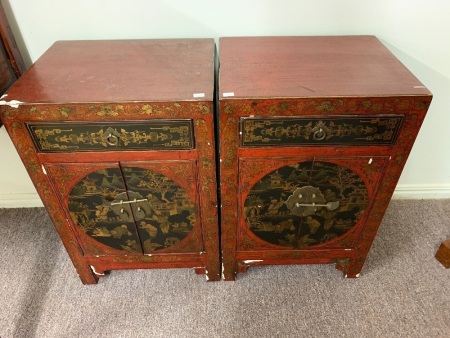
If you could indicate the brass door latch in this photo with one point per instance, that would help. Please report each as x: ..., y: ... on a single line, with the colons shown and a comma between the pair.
x: 306, y: 200
x: 128, y: 204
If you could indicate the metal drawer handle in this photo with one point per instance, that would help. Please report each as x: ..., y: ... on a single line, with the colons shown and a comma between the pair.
x: 319, y: 135
x: 112, y: 140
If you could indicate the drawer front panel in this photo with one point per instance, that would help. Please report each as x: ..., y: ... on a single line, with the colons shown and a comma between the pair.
x: 148, y: 135
x: 314, y: 131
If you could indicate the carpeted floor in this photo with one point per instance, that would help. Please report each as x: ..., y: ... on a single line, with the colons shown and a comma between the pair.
x: 402, y: 292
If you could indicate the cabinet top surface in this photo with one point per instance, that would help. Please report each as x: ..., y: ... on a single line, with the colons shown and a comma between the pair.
x: 257, y: 67
x: 120, y: 71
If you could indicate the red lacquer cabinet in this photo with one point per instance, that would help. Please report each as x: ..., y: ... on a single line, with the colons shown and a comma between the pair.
x: 314, y: 134
x: 117, y: 137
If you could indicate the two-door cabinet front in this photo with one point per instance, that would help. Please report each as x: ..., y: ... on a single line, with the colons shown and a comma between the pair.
x: 314, y: 133
x: 117, y: 137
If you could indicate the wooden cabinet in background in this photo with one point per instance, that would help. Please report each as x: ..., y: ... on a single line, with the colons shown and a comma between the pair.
x: 12, y: 65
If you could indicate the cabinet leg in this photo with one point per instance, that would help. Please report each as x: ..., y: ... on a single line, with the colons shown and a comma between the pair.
x: 352, y: 268
x: 87, y: 275
x: 212, y: 271
x: 229, y: 277
x: 229, y: 272
x: 342, y: 264
x: 200, y: 271
x: 443, y: 254
x: 212, y: 276
x: 242, y: 267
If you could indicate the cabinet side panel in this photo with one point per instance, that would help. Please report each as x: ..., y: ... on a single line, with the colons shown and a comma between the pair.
x: 26, y: 150
x: 207, y: 188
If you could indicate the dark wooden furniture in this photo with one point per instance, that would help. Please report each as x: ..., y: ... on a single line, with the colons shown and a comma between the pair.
x: 314, y: 133
x: 443, y: 253
x: 117, y: 137
x: 12, y: 65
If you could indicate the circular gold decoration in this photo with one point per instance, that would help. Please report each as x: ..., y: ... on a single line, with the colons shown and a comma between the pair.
x: 136, y: 209
x: 305, y: 204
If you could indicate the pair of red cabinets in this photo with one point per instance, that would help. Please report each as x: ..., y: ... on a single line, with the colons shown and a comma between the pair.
x: 143, y: 160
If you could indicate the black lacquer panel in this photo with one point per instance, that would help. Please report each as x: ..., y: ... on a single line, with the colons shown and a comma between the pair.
x: 90, y: 206
x: 145, y: 213
x: 148, y: 135
x: 284, y: 132
x: 171, y: 215
x: 305, y: 204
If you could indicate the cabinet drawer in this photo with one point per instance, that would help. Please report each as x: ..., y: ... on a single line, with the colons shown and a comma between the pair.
x: 314, y: 131
x: 104, y: 136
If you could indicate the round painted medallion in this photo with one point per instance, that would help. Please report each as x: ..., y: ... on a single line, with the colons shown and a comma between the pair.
x: 305, y: 204
x: 135, y: 210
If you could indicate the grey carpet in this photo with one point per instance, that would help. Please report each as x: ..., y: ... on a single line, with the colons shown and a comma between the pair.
x: 402, y: 292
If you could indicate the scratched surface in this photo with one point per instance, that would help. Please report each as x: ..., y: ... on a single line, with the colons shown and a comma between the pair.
x: 294, y: 67
x: 144, y: 70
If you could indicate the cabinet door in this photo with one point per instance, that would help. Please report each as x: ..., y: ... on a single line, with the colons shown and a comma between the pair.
x: 302, y: 203
x: 131, y: 207
x: 171, y: 221
x: 89, y: 193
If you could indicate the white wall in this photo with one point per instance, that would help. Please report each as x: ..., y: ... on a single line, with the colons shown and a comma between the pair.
x: 417, y: 32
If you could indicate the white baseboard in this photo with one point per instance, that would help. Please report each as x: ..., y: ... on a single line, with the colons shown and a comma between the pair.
x: 20, y: 201
x: 422, y: 191
x: 407, y: 191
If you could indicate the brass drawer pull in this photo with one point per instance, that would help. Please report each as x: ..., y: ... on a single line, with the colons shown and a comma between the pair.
x: 319, y: 135
x: 112, y: 140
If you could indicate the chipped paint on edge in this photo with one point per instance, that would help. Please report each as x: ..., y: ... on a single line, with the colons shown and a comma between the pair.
x: 249, y: 261
x: 97, y: 273
x: 12, y: 103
